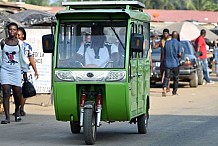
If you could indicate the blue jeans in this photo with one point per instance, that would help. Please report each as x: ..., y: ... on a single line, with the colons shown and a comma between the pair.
x: 204, y: 64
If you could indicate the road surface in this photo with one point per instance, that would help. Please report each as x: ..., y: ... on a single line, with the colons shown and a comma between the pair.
x: 187, y: 119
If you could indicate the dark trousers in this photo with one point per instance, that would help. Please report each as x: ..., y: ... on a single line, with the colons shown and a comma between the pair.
x: 175, y: 72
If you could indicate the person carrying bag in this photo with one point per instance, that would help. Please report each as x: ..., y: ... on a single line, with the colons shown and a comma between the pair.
x: 28, y: 89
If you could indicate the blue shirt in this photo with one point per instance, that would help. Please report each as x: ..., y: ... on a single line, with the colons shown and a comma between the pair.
x: 172, y: 49
x: 28, y: 51
x: 216, y: 55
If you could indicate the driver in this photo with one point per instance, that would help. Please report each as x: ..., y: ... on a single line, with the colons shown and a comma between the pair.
x: 98, y: 53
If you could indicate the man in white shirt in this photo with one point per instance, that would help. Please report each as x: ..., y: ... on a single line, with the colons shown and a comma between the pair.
x: 98, y: 53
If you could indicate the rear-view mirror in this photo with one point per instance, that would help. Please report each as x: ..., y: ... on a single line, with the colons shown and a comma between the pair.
x: 48, y: 43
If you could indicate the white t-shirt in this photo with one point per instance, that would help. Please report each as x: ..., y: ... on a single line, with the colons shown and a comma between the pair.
x: 104, y: 56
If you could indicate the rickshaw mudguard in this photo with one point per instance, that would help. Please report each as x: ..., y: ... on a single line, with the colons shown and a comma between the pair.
x: 89, y: 105
x: 116, y: 102
x: 66, y: 101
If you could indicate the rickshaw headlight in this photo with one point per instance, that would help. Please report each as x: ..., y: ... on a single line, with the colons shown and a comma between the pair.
x: 115, y: 76
x: 64, y: 76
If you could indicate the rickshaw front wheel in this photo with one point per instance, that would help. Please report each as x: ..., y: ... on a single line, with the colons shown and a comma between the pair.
x: 75, y: 127
x: 89, y: 126
x: 142, y: 123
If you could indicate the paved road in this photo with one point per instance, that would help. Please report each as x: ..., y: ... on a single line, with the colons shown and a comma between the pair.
x: 189, y: 119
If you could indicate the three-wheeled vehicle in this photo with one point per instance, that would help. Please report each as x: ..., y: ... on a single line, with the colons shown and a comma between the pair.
x: 101, y: 65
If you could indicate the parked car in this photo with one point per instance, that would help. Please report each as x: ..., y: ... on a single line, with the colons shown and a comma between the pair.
x: 155, y: 71
x: 190, y: 69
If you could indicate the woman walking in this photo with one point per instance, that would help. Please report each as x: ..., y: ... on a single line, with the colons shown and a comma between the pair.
x: 13, y: 61
x: 21, y: 34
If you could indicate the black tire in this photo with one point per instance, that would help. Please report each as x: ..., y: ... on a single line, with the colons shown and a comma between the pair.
x: 200, y: 77
x: 75, y: 127
x: 142, y: 123
x: 89, y: 126
x: 194, y: 82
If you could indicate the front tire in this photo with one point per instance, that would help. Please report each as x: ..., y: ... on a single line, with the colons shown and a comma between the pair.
x: 89, y: 126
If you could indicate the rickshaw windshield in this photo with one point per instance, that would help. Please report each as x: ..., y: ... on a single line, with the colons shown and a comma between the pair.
x: 96, y: 44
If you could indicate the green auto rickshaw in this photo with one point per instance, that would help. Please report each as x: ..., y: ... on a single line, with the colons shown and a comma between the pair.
x: 101, y: 65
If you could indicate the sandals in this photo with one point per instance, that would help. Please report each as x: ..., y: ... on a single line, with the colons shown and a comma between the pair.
x: 5, y: 121
x: 22, y: 113
x: 17, y: 118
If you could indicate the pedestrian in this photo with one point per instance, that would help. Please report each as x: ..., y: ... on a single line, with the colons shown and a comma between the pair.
x: 166, y: 37
x: 28, y: 51
x: 201, y: 49
x: 172, y: 53
x: 216, y: 59
x: 13, y: 61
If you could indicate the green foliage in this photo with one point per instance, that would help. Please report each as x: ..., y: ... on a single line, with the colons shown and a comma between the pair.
x: 204, y: 5
x: 33, y: 2
x: 38, y: 2
x: 58, y: 2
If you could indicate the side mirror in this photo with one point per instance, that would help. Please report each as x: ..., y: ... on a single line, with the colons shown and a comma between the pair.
x: 137, y: 41
x: 48, y: 43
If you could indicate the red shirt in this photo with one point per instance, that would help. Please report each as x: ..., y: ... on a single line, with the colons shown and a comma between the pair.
x: 200, y: 41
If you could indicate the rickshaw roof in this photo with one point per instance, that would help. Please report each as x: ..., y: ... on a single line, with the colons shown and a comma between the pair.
x: 132, y: 14
x: 103, y: 4
x: 133, y: 9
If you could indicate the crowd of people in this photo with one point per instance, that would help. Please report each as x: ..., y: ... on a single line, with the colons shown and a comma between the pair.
x: 14, y: 67
x: 171, y: 52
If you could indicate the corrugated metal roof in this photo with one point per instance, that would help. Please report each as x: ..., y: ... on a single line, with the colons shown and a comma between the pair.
x: 21, y: 6
x: 183, y: 15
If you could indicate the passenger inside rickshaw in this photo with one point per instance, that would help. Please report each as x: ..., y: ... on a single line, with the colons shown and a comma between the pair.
x: 99, y: 53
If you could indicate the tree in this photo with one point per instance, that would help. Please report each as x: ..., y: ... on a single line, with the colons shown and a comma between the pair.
x: 33, y: 2
x: 212, y: 7
x: 38, y: 2
x: 189, y: 5
x: 209, y: 5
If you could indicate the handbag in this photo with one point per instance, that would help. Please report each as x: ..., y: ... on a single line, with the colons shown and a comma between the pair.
x: 28, y: 89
